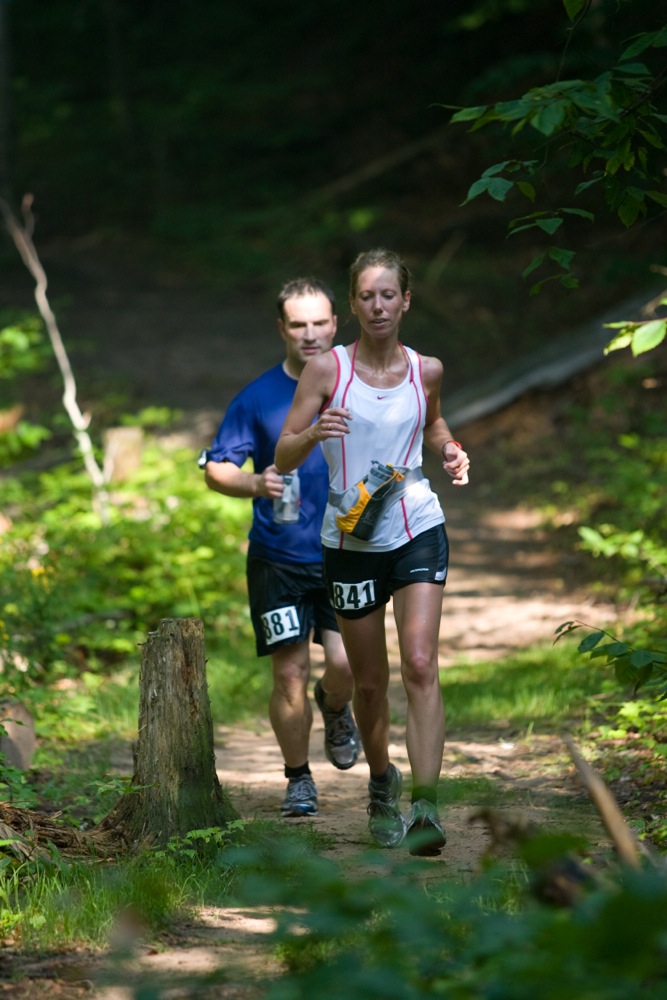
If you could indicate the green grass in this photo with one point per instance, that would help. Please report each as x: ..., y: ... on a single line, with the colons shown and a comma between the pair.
x: 62, y: 904
x: 70, y: 905
x: 541, y: 687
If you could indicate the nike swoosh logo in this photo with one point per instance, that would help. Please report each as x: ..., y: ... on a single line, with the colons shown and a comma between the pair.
x: 382, y: 397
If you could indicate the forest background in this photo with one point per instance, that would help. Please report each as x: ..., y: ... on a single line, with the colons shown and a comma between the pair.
x: 231, y: 146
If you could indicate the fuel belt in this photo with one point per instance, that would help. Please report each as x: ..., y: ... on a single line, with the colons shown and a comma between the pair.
x: 361, y: 506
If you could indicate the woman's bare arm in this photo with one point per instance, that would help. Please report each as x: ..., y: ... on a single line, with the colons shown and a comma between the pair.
x: 300, y: 434
x: 437, y: 435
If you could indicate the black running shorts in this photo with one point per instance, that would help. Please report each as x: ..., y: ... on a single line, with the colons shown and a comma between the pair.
x: 360, y: 582
x: 287, y: 603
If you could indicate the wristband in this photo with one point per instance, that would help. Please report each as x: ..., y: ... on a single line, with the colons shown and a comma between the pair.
x: 451, y: 441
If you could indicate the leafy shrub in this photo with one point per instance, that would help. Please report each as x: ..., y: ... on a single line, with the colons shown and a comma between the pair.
x: 78, y: 594
x: 389, y: 935
x: 634, y: 666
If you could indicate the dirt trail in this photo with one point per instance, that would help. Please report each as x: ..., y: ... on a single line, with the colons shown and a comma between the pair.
x: 504, y: 593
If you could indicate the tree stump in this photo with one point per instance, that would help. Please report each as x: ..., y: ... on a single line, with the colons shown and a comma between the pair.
x: 175, y: 788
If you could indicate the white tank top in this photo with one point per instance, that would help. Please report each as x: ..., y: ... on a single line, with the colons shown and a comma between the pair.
x: 387, y: 425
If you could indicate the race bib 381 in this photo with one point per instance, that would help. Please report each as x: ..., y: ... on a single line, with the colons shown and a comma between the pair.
x: 282, y: 623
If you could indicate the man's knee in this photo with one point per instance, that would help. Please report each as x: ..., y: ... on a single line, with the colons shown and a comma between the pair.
x: 291, y: 664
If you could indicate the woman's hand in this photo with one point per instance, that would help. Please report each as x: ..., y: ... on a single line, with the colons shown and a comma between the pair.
x: 333, y: 423
x: 456, y: 462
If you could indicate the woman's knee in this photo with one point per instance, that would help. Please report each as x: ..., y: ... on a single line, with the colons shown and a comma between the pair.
x: 420, y: 669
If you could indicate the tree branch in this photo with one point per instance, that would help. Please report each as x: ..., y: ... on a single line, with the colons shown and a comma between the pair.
x: 22, y: 238
x: 604, y: 802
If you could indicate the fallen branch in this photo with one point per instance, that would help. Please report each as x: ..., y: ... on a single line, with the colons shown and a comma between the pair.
x: 22, y: 237
x: 30, y: 836
x: 611, y: 816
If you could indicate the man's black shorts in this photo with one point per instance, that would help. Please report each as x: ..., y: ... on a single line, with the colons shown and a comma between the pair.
x: 287, y: 603
x: 360, y: 582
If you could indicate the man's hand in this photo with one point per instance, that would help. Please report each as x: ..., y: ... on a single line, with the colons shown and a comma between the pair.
x: 270, y: 483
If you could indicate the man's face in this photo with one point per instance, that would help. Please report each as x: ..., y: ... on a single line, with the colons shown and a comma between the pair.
x: 308, y: 328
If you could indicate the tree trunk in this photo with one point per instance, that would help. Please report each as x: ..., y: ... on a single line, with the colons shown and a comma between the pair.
x: 175, y: 788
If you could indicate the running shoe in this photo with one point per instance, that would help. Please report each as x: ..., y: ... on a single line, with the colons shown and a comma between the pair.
x: 341, y: 738
x: 386, y: 823
x: 301, y: 798
x: 425, y: 835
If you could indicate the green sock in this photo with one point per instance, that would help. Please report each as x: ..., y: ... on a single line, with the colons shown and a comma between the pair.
x: 425, y: 792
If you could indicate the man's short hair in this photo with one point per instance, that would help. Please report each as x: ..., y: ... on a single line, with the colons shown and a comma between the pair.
x: 299, y: 287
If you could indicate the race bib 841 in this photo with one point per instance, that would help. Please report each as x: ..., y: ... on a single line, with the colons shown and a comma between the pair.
x: 353, y: 596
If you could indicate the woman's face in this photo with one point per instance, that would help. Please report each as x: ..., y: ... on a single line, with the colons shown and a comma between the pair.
x: 378, y: 302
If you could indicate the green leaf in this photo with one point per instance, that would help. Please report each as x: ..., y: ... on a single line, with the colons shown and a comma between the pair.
x: 652, y: 138
x: 596, y: 101
x: 646, y: 40
x: 590, y: 642
x: 566, y: 627
x: 549, y: 226
x: 586, y: 184
x: 642, y: 676
x: 549, y: 118
x: 499, y: 188
x: 633, y: 69
x: 497, y: 168
x: 562, y: 256
x: 616, y: 648
x: 647, y: 336
x: 534, y: 264
x: 618, y: 342
x: 624, y: 673
x: 629, y: 211
x: 643, y: 658
x: 578, y: 211
x: 658, y: 197
x: 527, y: 190
x: 479, y: 187
x: 469, y: 114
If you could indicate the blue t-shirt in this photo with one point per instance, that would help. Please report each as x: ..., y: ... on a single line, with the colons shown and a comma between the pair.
x: 251, y: 428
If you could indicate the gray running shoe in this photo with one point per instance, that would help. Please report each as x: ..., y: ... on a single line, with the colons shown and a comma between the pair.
x: 341, y: 739
x: 425, y: 835
x: 386, y: 823
x: 301, y: 798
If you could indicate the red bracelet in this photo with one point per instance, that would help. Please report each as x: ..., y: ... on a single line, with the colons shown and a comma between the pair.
x: 451, y: 441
